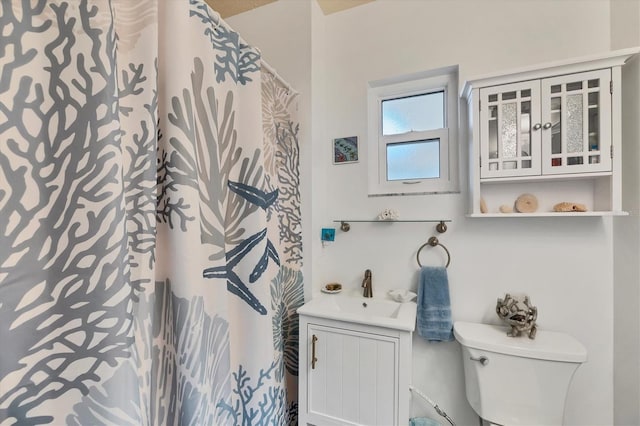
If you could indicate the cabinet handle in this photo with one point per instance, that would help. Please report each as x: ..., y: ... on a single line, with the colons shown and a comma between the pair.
x: 547, y: 126
x: 537, y: 126
x: 314, y: 339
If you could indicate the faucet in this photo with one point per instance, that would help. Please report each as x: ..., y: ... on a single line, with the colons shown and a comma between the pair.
x: 366, y: 284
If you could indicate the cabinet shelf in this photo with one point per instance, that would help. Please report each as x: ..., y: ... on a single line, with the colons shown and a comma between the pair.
x: 552, y: 214
x: 534, y: 178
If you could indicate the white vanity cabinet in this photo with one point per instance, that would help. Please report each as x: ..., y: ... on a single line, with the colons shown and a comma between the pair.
x: 353, y: 374
x: 553, y: 131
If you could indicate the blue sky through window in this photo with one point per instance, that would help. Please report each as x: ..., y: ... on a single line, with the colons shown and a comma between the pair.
x: 413, y: 160
x: 417, y: 113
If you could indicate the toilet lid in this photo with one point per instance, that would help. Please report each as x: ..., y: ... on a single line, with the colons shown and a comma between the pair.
x: 548, y: 345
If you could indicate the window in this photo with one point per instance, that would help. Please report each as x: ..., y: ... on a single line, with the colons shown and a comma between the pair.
x: 412, y: 140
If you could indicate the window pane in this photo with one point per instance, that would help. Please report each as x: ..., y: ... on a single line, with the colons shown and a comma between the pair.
x: 556, y: 128
x: 509, y: 130
x: 525, y: 128
x: 417, y: 113
x: 493, y: 131
x: 574, y: 86
x: 575, y: 139
x: 413, y: 160
x: 594, y: 123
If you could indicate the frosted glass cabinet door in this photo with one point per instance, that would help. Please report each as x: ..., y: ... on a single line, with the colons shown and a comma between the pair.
x: 509, y: 137
x: 576, y: 117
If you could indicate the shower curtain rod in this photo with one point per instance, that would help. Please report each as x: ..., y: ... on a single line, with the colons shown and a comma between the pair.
x: 273, y: 71
x: 263, y: 63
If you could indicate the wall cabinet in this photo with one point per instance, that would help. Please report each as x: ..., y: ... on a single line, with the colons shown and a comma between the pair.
x: 549, y: 126
x: 351, y: 374
x: 552, y: 131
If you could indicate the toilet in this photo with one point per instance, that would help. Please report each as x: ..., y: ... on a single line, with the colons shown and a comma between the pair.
x: 514, y: 381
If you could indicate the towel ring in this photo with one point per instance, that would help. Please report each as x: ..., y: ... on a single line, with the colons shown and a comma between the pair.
x: 433, y: 241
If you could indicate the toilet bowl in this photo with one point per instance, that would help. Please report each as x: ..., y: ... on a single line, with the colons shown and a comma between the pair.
x: 516, y: 380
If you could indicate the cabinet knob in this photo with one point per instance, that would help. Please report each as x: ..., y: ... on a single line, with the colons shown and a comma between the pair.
x: 537, y: 126
x: 547, y: 126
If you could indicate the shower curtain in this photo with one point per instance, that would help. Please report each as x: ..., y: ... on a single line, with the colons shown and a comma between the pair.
x: 150, y: 236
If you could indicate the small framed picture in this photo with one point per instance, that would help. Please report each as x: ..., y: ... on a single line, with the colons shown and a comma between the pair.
x: 345, y: 150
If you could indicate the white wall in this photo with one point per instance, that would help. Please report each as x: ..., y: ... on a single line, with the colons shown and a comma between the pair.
x: 565, y: 265
x: 625, y: 32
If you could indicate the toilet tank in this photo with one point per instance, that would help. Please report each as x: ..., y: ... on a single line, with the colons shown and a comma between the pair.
x: 517, y: 380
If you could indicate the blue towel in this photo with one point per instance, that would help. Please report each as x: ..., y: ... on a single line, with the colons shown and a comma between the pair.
x: 423, y: 421
x: 434, y: 306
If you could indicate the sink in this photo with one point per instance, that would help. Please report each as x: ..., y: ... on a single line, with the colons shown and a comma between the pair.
x: 357, y: 309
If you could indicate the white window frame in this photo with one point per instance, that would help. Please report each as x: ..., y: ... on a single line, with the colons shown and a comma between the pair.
x: 415, y: 84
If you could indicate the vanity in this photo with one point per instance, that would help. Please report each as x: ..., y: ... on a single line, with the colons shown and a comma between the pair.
x: 355, y: 360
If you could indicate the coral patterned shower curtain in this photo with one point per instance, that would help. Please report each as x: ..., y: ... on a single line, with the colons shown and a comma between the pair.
x: 150, y: 238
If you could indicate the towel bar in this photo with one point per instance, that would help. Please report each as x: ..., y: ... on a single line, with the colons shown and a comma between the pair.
x: 433, y: 241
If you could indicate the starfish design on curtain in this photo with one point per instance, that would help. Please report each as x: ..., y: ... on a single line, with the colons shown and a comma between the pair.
x: 233, y: 257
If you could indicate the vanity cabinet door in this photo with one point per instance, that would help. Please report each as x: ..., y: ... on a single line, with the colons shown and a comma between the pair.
x: 354, y: 378
x: 576, y: 112
x: 510, y: 130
